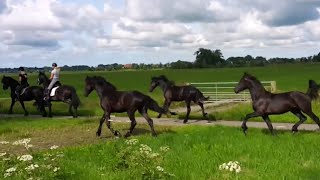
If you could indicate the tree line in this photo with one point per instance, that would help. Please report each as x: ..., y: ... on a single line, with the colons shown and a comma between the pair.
x: 204, y: 58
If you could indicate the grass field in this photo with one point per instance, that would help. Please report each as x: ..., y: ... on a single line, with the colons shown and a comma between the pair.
x: 195, y: 152
x: 288, y: 77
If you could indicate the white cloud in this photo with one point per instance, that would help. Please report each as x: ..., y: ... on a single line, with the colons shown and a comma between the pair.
x: 44, y: 30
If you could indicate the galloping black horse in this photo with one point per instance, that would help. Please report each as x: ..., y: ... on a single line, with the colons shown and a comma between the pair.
x: 112, y: 100
x: 64, y: 93
x: 178, y: 93
x: 265, y: 103
x: 30, y: 93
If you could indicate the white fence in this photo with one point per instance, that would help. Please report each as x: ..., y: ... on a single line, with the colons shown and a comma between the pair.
x: 224, y: 91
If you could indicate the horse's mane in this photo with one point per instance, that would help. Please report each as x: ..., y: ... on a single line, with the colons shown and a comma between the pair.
x: 252, y: 78
x: 103, y: 82
x: 163, y: 78
x: 10, y: 79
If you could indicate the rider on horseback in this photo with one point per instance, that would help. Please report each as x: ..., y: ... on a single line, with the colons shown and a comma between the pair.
x: 55, y: 78
x: 23, y: 79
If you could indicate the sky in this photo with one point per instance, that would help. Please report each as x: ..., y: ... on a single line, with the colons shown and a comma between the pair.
x: 36, y: 33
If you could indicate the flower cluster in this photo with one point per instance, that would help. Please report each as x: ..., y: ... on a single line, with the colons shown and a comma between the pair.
x: 4, y: 142
x: 231, y: 166
x: 141, y: 156
x: 31, y: 167
x: 28, y: 167
x: 26, y: 157
x: 54, y: 147
x: 10, y: 171
x: 24, y: 142
x: 132, y: 141
x: 164, y: 148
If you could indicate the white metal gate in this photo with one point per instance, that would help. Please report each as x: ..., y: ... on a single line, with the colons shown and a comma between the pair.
x: 224, y: 91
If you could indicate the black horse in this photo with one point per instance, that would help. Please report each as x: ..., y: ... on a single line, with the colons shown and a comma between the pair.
x: 265, y: 103
x: 178, y: 93
x: 64, y: 93
x: 29, y: 94
x: 112, y: 100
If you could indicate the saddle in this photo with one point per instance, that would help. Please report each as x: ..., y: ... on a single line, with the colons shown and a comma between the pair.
x: 23, y: 90
x: 52, y: 92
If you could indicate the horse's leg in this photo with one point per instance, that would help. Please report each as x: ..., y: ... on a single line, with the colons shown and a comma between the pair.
x: 70, y: 109
x: 188, y: 102
x: 75, y: 111
x: 11, y: 106
x: 133, y: 123
x: 49, y: 108
x: 204, y: 114
x: 98, y: 133
x: 166, y: 106
x: 268, y: 122
x: 302, y: 118
x: 114, y: 132
x: 313, y: 117
x: 24, y: 108
x: 144, y: 113
x: 245, y: 120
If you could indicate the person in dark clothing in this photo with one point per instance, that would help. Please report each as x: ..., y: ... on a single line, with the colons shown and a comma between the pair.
x: 23, y: 79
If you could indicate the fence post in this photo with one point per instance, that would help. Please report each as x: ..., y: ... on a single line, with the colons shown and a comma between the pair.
x: 273, y: 86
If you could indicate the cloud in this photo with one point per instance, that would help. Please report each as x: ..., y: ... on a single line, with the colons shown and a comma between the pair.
x: 136, y: 30
x: 3, y: 6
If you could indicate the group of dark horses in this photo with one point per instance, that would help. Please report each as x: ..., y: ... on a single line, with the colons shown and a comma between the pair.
x: 63, y: 93
x: 264, y: 103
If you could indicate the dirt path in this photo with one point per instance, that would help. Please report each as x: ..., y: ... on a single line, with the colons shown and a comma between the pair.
x: 176, y: 122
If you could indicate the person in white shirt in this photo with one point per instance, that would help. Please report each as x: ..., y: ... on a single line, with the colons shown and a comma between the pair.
x: 55, y: 77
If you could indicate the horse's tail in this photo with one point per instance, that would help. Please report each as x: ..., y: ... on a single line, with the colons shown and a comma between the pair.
x: 201, y: 98
x: 154, y: 106
x: 313, y: 89
x: 75, y: 101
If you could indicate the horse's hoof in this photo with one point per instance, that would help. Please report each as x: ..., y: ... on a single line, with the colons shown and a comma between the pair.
x: 205, y: 114
x: 26, y: 114
x: 154, y: 134
x: 98, y: 134
x: 185, y: 121
x: 10, y: 112
x: 128, y: 134
x: 117, y: 133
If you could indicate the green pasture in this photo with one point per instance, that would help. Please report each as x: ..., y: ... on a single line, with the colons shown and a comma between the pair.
x: 195, y: 151
x: 288, y: 78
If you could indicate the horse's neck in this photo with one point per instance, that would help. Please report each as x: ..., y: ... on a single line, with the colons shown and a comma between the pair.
x: 257, y: 91
x: 104, y: 91
x: 46, y: 82
x: 13, y: 85
x: 164, y: 86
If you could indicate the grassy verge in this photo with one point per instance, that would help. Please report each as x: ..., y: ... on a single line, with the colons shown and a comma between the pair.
x: 195, y: 151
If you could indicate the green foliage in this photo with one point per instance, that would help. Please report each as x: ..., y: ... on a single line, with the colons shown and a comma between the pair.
x: 133, y: 155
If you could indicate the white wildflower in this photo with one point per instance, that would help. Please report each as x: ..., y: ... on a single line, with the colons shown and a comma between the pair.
x: 164, y: 148
x: 54, y: 147
x: 22, y: 141
x: 132, y: 141
x: 26, y: 157
x: 4, y: 142
x: 159, y: 168
x: 55, y: 169
x: 145, y: 149
x: 11, y: 170
x: 6, y: 175
x: 3, y: 154
x: 231, y: 166
x: 31, y: 167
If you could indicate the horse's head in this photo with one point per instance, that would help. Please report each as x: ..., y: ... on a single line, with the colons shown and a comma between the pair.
x: 160, y: 80
x: 154, y: 83
x: 8, y: 82
x: 243, y: 84
x: 5, y: 83
x: 89, y: 86
x: 41, y: 78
